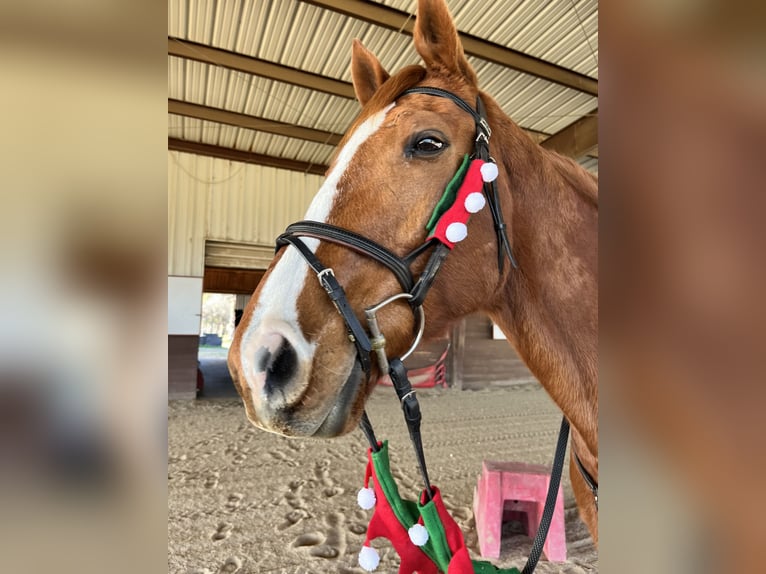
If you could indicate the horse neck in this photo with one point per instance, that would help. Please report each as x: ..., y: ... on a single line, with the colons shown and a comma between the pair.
x: 548, y: 306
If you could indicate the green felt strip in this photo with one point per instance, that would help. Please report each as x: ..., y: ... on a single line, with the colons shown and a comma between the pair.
x: 405, y: 514
x: 482, y: 567
x: 406, y: 511
x: 436, y: 535
x: 449, y: 196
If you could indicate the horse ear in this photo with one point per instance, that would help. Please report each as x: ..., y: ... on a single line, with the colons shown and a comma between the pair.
x: 366, y: 72
x: 437, y: 42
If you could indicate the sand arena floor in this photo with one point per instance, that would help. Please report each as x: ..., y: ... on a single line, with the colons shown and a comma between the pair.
x: 241, y: 500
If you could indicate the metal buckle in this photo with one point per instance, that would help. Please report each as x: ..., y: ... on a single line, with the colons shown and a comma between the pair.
x: 324, y: 272
x: 482, y: 136
x: 485, y: 126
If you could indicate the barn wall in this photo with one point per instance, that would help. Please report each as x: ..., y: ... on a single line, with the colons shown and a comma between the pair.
x: 257, y: 203
x: 187, y: 213
x: 215, y: 199
x: 487, y: 361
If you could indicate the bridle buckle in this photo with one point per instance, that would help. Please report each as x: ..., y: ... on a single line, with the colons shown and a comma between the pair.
x: 486, y: 130
x: 323, y: 272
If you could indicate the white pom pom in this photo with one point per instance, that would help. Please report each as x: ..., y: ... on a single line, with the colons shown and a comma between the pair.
x: 456, y: 232
x: 475, y: 202
x: 369, y: 558
x: 366, y: 498
x: 489, y: 171
x: 418, y: 534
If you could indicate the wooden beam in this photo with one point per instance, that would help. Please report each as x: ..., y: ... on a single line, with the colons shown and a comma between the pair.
x: 245, y: 156
x: 258, y: 67
x: 251, y: 122
x: 577, y: 139
x: 402, y: 21
x: 231, y: 280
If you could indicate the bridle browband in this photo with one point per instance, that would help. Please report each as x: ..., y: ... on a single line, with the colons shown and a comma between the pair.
x: 414, y: 291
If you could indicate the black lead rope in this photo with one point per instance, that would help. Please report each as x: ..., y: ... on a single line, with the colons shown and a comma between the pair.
x: 368, y: 431
x: 550, y: 499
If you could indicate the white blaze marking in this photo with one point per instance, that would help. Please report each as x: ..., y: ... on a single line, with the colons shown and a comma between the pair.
x: 322, y: 203
x: 277, y: 302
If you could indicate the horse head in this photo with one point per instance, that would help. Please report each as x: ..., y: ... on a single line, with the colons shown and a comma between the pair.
x: 292, y: 359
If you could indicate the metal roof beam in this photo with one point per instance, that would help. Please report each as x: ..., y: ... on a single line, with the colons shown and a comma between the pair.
x: 577, y: 139
x: 258, y: 67
x: 244, y: 156
x: 402, y: 22
x: 263, y: 68
x: 277, y: 72
x: 252, y: 122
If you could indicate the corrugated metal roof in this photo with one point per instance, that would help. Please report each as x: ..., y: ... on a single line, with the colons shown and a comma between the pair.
x: 563, y: 32
x: 317, y: 40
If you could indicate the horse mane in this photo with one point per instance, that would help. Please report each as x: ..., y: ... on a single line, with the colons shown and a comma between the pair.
x: 581, y: 180
x: 521, y: 152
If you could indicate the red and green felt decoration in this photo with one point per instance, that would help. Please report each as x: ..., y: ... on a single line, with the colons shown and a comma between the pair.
x: 462, y: 197
x: 424, y: 535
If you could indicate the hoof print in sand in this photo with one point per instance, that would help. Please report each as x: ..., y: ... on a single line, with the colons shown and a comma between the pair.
x: 335, y: 542
x: 308, y: 539
x: 292, y: 518
x: 331, y: 491
x: 234, y: 500
x: 222, y: 532
x: 232, y: 565
x: 212, y: 480
x: 322, y: 472
x: 330, y: 544
x: 282, y: 457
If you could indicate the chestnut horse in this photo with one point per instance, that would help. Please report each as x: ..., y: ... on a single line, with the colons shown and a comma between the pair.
x: 291, y: 358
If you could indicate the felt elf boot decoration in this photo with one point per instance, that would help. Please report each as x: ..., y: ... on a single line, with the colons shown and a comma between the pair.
x: 424, y: 535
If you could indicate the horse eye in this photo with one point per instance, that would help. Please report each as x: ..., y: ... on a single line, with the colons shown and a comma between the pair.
x: 429, y: 145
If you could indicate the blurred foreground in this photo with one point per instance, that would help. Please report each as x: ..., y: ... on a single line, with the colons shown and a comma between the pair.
x: 82, y: 299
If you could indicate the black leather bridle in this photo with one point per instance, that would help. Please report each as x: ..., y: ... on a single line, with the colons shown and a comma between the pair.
x: 400, y: 267
x: 414, y: 291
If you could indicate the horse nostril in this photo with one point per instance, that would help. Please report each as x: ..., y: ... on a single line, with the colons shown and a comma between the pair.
x: 278, y: 361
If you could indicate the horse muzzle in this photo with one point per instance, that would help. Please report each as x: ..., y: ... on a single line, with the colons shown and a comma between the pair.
x: 285, y: 393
